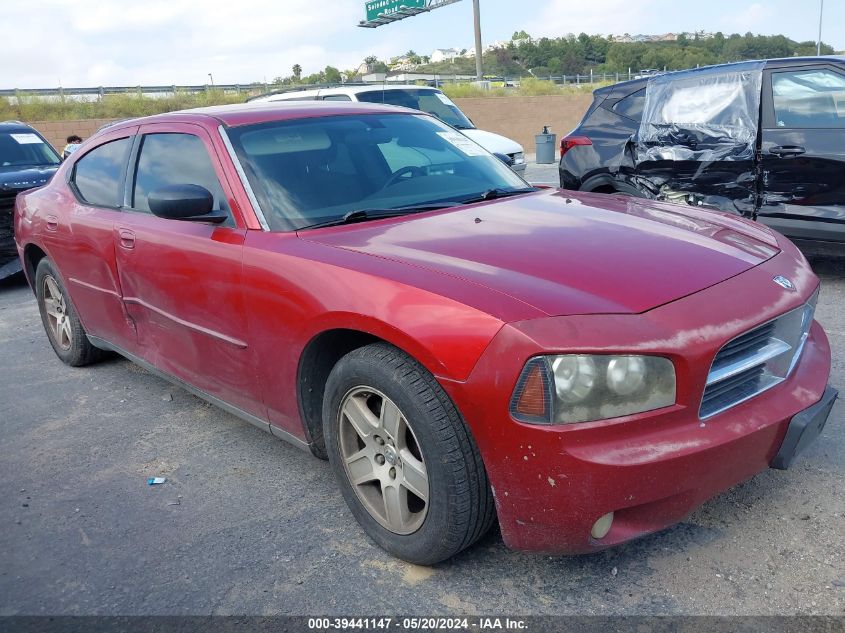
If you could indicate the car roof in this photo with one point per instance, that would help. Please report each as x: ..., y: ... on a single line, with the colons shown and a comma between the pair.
x: 15, y: 126
x: 624, y: 88
x: 263, y: 112
x: 346, y: 89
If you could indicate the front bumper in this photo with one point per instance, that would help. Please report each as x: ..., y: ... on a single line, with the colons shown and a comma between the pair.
x: 804, y: 429
x: 552, y: 483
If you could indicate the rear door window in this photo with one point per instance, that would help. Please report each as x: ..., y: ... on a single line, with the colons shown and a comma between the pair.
x: 631, y: 107
x: 807, y: 99
x: 174, y: 159
x: 337, y: 98
x: 98, y: 176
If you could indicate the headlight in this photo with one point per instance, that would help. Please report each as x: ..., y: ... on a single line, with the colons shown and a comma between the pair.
x: 518, y: 158
x: 586, y: 387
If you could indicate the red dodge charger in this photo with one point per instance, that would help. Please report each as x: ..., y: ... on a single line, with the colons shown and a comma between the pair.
x: 371, y: 285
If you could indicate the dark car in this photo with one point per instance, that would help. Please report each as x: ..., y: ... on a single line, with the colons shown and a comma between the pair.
x: 764, y: 139
x: 26, y: 161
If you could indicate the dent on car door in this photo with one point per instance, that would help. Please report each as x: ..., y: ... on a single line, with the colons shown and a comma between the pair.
x: 182, y: 280
x: 803, y: 153
x: 697, y: 141
x: 79, y: 238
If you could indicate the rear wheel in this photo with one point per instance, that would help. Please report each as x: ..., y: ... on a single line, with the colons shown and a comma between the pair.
x: 406, y: 464
x: 64, y: 330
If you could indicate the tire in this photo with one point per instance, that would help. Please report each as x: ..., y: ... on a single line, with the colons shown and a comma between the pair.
x: 60, y: 320
x: 618, y: 189
x: 424, y: 442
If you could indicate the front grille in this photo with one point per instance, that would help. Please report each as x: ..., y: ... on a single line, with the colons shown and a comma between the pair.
x: 8, y: 251
x: 757, y: 360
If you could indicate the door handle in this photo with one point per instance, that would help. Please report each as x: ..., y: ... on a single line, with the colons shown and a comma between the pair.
x: 127, y: 238
x: 52, y: 222
x: 786, y: 150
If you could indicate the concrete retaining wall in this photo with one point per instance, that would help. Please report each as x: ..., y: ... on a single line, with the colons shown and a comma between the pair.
x: 519, y: 118
x: 56, y: 132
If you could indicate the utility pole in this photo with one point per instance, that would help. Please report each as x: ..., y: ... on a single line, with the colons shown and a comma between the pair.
x: 476, y: 14
x: 821, y: 14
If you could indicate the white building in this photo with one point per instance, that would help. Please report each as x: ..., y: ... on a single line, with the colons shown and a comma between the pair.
x: 444, y: 55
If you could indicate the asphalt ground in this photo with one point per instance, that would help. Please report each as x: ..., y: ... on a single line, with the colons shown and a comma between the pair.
x: 246, y: 524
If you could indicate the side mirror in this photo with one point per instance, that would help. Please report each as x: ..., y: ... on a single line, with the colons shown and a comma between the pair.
x: 184, y: 202
x: 507, y: 160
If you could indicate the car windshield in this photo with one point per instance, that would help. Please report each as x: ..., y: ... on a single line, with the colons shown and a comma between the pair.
x: 423, y: 99
x: 25, y: 149
x: 313, y: 171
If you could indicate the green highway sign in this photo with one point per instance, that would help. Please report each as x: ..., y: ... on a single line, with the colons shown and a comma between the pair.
x: 378, y: 8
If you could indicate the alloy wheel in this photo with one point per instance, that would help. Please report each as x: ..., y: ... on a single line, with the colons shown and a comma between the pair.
x: 383, y: 460
x: 58, y: 318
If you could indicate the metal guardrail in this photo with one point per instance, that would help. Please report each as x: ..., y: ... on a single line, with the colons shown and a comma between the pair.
x: 261, y: 88
x: 115, y: 90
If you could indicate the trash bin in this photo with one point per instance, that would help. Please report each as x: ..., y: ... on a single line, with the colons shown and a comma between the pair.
x: 546, y: 146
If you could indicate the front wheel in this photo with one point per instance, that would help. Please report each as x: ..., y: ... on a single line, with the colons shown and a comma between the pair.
x: 64, y: 330
x: 407, y: 466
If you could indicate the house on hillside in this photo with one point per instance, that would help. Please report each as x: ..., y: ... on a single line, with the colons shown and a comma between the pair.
x: 403, y: 62
x: 444, y: 55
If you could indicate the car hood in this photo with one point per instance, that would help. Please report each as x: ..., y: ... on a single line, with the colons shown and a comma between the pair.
x: 567, y: 253
x: 493, y: 142
x: 14, y: 179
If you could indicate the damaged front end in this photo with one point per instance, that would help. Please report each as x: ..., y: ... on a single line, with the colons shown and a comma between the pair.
x: 9, y: 261
x: 11, y: 184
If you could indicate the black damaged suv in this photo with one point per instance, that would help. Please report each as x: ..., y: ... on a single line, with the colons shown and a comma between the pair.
x: 764, y: 139
x: 26, y: 161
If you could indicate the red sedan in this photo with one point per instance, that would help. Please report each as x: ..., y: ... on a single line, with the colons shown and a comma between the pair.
x: 374, y: 287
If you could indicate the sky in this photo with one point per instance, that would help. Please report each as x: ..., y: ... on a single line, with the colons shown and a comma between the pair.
x: 76, y: 43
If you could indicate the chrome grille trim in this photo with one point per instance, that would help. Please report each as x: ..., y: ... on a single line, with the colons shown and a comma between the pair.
x: 770, y: 348
x: 756, y: 360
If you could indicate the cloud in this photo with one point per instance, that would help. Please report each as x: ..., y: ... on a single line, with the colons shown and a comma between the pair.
x: 560, y: 17
x: 753, y: 18
x: 106, y: 42
x: 163, y: 42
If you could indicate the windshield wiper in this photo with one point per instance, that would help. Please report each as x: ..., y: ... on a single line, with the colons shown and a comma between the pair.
x: 362, y: 215
x: 493, y: 194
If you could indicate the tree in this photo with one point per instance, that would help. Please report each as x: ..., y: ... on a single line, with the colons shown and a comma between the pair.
x: 331, y: 75
x: 371, y: 60
x: 412, y: 57
x: 297, y: 71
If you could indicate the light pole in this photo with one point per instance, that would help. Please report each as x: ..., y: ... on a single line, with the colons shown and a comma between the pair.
x: 211, y: 79
x: 476, y: 14
x: 821, y: 14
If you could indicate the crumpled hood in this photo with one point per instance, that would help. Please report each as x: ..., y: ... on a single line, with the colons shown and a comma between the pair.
x: 569, y: 253
x: 13, y: 179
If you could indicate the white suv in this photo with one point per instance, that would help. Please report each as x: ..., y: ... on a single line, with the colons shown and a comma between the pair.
x: 430, y: 100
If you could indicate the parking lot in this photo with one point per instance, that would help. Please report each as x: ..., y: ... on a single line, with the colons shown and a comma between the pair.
x: 246, y: 524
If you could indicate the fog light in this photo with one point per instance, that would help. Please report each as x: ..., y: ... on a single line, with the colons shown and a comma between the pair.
x: 602, y: 526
